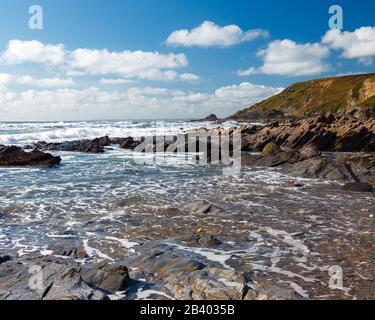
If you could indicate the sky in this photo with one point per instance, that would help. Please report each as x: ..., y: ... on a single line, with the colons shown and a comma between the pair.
x: 170, y: 59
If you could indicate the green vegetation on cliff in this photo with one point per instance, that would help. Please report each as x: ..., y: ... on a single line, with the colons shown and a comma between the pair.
x: 317, y: 96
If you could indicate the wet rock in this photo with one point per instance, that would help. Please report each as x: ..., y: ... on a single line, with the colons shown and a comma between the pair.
x: 109, y: 277
x: 201, y: 239
x: 362, y: 166
x: 320, y: 168
x: 15, y: 156
x: 310, y: 151
x: 202, y: 208
x: 155, y: 261
x: 358, y: 187
x: 90, y: 146
x: 278, y: 159
x: 103, y: 141
x: 4, y: 258
x: 208, y: 241
x: 128, y: 143
x: 63, y: 283
x: 44, y: 279
x: 67, y: 251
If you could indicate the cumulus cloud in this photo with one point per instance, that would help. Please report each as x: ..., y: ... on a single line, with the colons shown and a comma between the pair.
x: 209, y: 34
x: 45, y: 83
x: 288, y: 58
x: 357, y: 44
x: 18, y: 52
x: 246, y: 90
x: 190, y: 77
x: 115, y: 81
x: 141, y: 102
x: 6, y: 79
x: 128, y: 64
x: 90, y: 62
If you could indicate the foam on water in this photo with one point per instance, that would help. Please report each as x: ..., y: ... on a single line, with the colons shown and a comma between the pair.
x: 28, y: 132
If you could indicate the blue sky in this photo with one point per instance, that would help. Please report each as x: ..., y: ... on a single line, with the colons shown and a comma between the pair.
x: 170, y: 58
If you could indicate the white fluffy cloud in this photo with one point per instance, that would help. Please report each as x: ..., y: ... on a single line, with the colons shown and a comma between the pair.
x: 208, y: 34
x: 145, y: 102
x: 6, y: 79
x: 115, y: 81
x: 90, y: 62
x: 18, y: 52
x: 128, y: 64
x: 288, y: 58
x: 247, y: 91
x: 190, y: 77
x: 357, y: 44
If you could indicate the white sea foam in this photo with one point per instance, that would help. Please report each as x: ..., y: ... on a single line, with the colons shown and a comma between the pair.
x: 23, y: 133
x: 93, y: 252
x: 146, y: 294
x: 124, y: 242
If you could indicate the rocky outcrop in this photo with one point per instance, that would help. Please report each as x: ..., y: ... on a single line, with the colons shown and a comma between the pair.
x: 111, y: 278
x: 344, y: 133
x: 320, y: 168
x: 211, y: 117
x: 16, y: 157
x: 309, y: 163
x: 91, y: 146
x: 202, y: 207
x: 52, y: 278
x: 363, y: 166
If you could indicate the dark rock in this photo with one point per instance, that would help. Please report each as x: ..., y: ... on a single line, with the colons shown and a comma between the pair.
x: 211, y: 117
x: 319, y: 168
x: 103, y: 141
x: 163, y: 262
x: 127, y: 143
x: 63, y: 283
x: 202, y: 208
x: 109, y: 277
x: 362, y: 166
x: 44, y: 279
x: 67, y: 251
x: 280, y: 158
x: 15, y: 156
x: 201, y: 239
x: 358, y: 187
x: 4, y: 258
x: 208, y: 241
x: 90, y: 146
